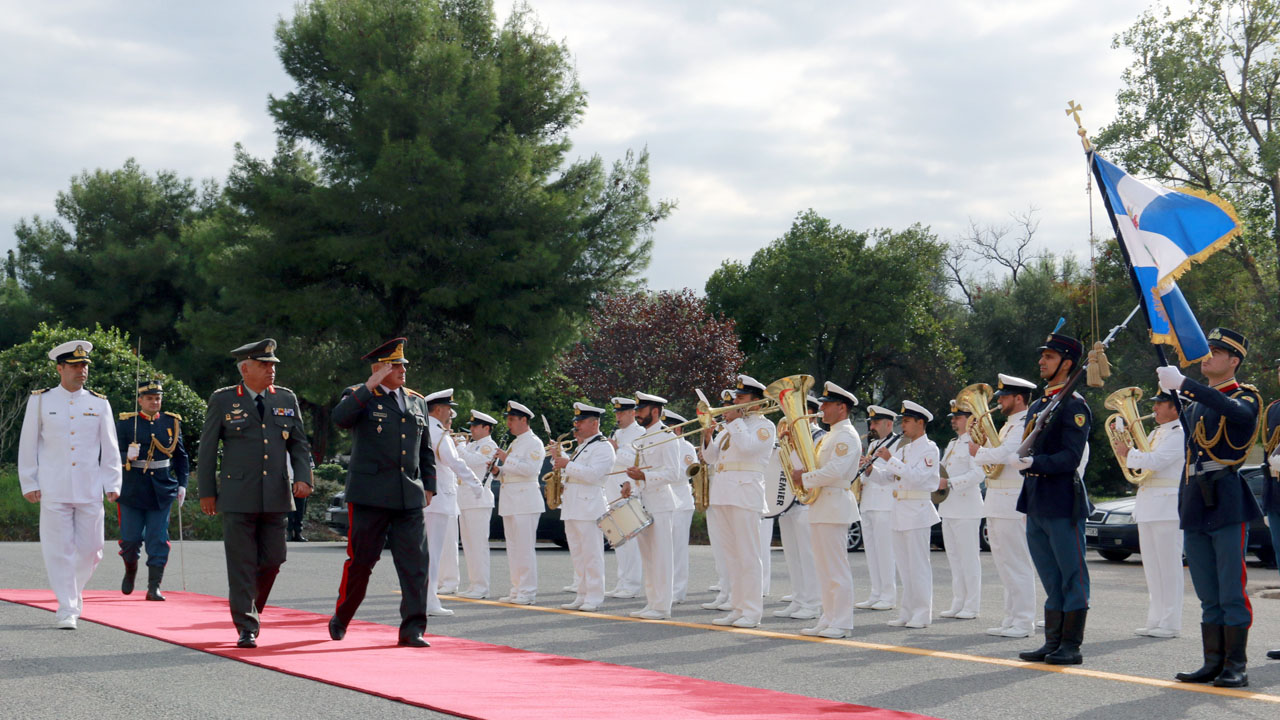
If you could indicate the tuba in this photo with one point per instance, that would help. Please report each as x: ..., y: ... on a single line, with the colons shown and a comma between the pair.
x: 1125, y: 428
x: 982, y: 429
x: 790, y: 394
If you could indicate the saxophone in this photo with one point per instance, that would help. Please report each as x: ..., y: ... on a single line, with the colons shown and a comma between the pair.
x: 553, y: 482
x: 700, y: 475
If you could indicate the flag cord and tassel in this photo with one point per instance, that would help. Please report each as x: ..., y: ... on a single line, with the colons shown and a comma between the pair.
x: 1098, y: 368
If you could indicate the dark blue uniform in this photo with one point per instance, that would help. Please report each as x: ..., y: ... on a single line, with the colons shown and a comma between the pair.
x: 1271, y: 486
x: 1055, y: 503
x: 151, y: 483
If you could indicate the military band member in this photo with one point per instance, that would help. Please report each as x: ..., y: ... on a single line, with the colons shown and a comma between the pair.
x: 155, y: 473
x: 449, y: 577
x: 68, y: 475
x: 1056, y: 505
x: 876, y: 508
x: 961, y: 514
x: 657, y: 450
x: 682, y: 518
x: 583, y: 502
x: 629, y: 580
x: 253, y: 495
x: 805, y: 598
x: 1156, y: 512
x: 477, y: 507
x: 739, y: 455
x: 1006, y: 525
x: 520, y: 503
x: 914, y: 462
x: 1215, y: 504
x: 1271, y: 480
x: 453, y: 478
x: 831, y: 514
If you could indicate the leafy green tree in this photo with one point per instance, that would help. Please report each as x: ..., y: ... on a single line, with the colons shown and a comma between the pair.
x: 866, y: 310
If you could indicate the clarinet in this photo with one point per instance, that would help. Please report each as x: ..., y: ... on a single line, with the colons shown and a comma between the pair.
x: 887, y: 442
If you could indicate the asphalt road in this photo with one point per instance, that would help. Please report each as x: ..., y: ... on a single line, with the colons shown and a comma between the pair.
x: 103, y: 673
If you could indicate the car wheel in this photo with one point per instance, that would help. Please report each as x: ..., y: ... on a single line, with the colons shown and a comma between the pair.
x: 1115, y: 555
x: 854, y: 541
x: 984, y: 540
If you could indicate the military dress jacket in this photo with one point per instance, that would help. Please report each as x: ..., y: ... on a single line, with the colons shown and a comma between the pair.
x: 477, y: 455
x: 838, y: 453
x: 1223, y: 423
x: 392, y: 464
x: 1270, y: 441
x: 914, y: 465
x: 159, y: 438
x: 964, y: 481
x: 1049, y: 487
x: 261, y: 456
x: 68, y: 449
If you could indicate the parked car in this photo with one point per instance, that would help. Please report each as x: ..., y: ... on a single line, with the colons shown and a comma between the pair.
x: 1112, y: 531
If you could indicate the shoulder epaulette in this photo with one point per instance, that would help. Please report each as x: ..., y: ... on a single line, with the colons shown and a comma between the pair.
x: 354, y: 388
x: 1243, y: 386
x: 127, y: 415
x: 41, y: 391
x: 95, y: 393
x: 224, y: 389
x: 175, y: 416
x: 415, y: 393
x: 281, y: 387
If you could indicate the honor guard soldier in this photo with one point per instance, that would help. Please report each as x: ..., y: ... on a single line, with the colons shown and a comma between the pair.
x: 68, y: 460
x: 629, y: 582
x: 1006, y: 525
x: 1271, y: 479
x: 834, y: 510
x: 961, y: 513
x: 452, y: 472
x: 1156, y: 512
x: 1054, y: 500
x: 583, y: 501
x: 155, y: 473
x: 914, y: 462
x: 392, y: 477
x: 253, y: 494
x: 477, y: 508
x: 655, y: 464
x: 682, y: 519
x: 520, y: 503
x: 876, y: 508
x: 738, y: 456
x: 1215, y: 504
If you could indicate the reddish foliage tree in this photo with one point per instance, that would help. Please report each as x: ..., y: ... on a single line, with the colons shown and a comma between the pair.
x: 665, y: 343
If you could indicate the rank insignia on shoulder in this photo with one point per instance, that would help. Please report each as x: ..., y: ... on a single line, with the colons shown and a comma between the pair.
x: 282, y: 412
x: 842, y: 449
x: 1079, y: 419
x: 762, y: 434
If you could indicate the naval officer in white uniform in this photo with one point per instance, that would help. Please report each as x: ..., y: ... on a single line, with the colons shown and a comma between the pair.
x: 682, y: 518
x: 961, y: 515
x: 651, y: 474
x: 876, y: 508
x: 453, y: 476
x: 582, y: 503
x: 914, y: 462
x: 629, y: 582
x: 520, y: 503
x: 476, y: 509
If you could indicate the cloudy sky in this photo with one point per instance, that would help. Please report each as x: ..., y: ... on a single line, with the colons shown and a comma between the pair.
x: 873, y: 114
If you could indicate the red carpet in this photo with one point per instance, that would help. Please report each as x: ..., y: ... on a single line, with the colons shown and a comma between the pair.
x: 455, y: 676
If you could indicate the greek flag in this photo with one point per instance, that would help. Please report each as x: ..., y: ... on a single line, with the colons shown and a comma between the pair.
x: 1164, y: 232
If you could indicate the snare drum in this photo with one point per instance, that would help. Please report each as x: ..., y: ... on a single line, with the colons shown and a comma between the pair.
x: 624, y: 520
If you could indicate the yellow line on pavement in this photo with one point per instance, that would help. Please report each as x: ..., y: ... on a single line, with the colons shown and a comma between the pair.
x: 924, y: 652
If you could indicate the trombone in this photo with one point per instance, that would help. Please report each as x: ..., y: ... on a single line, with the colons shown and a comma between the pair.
x: 706, y: 419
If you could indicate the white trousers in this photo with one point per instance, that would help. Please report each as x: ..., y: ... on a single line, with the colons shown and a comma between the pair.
x: 521, y: 532
x: 655, y: 555
x: 830, y: 554
x: 766, y: 557
x: 719, y: 552
x: 797, y: 550
x: 911, y: 553
x: 742, y: 559
x: 1008, y: 540
x: 71, y: 542
x: 437, y: 539
x: 630, y: 571
x: 473, y: 526
x: 1161, y: 543
x: 877, y: 543
x: 586, y: 551
x: 681, y: 521
x: 448, y: 575
x: 960, y: 535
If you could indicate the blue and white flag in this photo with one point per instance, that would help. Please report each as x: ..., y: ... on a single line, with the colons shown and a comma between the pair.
x: 1164, y: 232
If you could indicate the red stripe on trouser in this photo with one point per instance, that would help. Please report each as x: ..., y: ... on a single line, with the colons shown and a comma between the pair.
x: 1244, y: 571
x: 120, y: 529
x: 346, y: 566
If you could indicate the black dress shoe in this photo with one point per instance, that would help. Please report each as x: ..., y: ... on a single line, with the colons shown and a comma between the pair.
x: 1273, y: 654
x: 337, y: 631
x: 413, y: 641
x: 248, y: 639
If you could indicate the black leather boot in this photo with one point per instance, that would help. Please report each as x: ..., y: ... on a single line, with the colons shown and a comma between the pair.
x: 154, y: 576
x: 130, y: 575
x: 1211, y: 641
x: 1068, y: 652
x: 1052, y: 637
x: 1233, y: 675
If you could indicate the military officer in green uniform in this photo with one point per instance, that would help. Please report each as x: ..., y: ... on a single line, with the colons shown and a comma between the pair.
x: 391, y: 479
x: 258, y: 426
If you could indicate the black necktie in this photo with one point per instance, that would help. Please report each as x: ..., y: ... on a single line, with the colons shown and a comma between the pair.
x: 262, y: 411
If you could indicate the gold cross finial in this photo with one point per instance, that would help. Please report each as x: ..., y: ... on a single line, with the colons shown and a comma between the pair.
x: 1074, y: 111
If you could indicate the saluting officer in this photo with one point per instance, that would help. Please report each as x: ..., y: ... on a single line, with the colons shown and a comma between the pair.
x: 68, y: 459
x: 1056, y: 505
x: 253, y: 494
x: 392, y: 477
x: 155, y: 472
x: 476, y: 505
x: 1215, y: 504
x: 1271, y: 479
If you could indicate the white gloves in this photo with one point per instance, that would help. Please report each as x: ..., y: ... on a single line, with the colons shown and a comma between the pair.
x: 133, y: 451
x: 1170, y: 378
x: 182, y: 495
x: 1273, y: 462
x: 1022, y: 463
